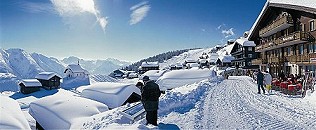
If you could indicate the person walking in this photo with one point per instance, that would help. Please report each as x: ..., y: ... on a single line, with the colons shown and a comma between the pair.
x: 260, y: 78
x: 268, y: 82
x: 150, y: 99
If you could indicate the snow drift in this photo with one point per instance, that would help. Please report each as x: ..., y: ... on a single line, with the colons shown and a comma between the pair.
x: 177, y: 78
x: 11, y: 115
x: 62, y: 109
x: 110, y: 93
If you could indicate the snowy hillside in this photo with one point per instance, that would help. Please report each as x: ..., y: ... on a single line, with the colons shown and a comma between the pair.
x: 97, y: 66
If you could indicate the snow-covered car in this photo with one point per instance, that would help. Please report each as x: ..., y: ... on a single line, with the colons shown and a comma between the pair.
x: 11, y: 116
x: 153, y: 74
x: 63, y: 109
x: 111, y: 93
x: 177, y: 78
x: 132, y: 75
x: 193, y: 65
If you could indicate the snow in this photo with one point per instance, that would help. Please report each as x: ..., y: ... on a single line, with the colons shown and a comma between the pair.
x: 11, y: 115
x: 61, y: 110
x: 226, y: 58
x: 46, y: 75
x: 153, y: 74
x: 244, y: 42
x: 8, y: 82
x: 31, y: 83
x: 177, y: 78
x: 110, y: 93
x: 150, y: 64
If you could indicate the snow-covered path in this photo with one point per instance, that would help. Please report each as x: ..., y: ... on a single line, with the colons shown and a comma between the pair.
x: 235, y: 104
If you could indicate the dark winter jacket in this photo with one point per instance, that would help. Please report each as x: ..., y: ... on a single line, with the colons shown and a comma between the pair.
x: 150, y: 96
x: 260, y: 77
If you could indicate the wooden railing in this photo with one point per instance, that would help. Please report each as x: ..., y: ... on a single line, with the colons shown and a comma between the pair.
x: 297, y: 36
x: 287, y: 19
x: 301, y: 58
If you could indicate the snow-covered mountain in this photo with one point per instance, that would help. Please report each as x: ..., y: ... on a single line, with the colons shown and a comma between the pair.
x: 25, y: 65
x: 97, y: 66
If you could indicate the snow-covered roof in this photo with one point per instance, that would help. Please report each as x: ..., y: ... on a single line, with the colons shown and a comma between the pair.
x: 110, y: 93
x: 46, y: 75
x: 30, y: 82
x: 226, y: 50
x: 61, y: 110
x: 301, y: 5
x: 76, y: 68
x: 11, y: 115
x: 150, y: 64
x: 244, y: 42
x: 177, y: 78
x: 226, y: 58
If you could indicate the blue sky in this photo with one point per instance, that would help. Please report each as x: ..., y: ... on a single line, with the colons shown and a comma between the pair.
x: 124, y: 29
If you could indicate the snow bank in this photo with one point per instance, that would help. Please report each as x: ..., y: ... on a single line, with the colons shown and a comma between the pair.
x: 110, y: 93
x: 62, y: 109
x: 177, y: 78
x: 180, y: 100
x: 71, y: 83
x: 11, y: 115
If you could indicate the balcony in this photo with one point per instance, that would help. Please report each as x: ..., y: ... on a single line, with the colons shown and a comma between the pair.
x: 294, y: 38
x: 284, y: 22
x: 256, y: 61
x: 291, y: 39
x: 301, y: 58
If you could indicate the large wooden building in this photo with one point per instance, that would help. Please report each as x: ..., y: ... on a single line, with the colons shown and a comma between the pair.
x: 284, y: 34
x: 49, y: 80
x: 244, y: 52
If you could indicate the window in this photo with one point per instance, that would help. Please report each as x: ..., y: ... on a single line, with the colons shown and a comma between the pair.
x: 312, y: 25
x: 250, y: 55
x: 310, y: 46
x: 289, y: 51
x: 301, y: 49
x: 314, y: 47
x: 249, y: 48
x: 302, y: 27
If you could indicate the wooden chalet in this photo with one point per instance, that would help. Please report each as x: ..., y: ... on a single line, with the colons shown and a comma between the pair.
x: 148, y: 66
x: 244, y: 52
x: 284, y: 34
x: 29, y: 86
x: 49, y: 80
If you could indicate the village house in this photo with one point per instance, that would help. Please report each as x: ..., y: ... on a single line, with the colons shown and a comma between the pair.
x: 284, y: 34
x: 148, y: 66
x: 244, y: 52
x: 49, y: 80
x: 75, y: 70
x: 29, y: 86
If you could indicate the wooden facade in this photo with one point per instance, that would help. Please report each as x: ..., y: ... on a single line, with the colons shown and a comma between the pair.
x: 52, y: 83
x: 285, y: 40
x: 243, y: 56
x: 28, y: 89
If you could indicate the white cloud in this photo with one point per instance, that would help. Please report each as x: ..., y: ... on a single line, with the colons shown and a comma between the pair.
x: 37, y: 7
x: 228, y: 33
x: 221, y: 26
x: 139, y: 12
x: 70, y: 8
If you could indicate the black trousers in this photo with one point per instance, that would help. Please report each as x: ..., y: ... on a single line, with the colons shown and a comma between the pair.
x: 151, y: 117
x: 260, y: 85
